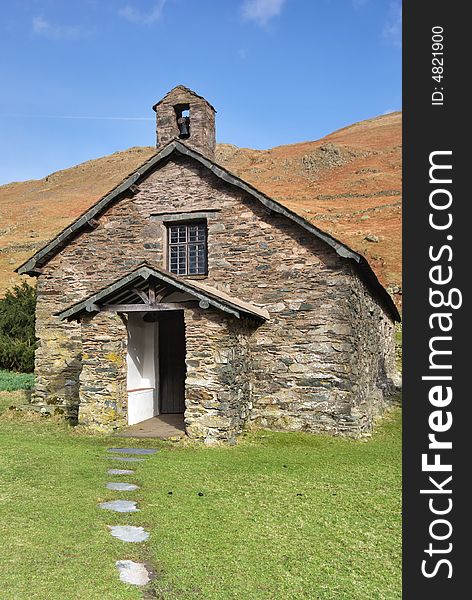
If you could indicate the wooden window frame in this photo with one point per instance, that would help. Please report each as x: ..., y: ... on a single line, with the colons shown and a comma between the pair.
x: 187, y: 244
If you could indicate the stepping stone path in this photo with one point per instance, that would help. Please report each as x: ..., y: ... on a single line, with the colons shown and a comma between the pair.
x: 133, y: 572
x: 122, y: 487
x: 130, y: 572
x: 127, y: 458
x: 132, y: 450
x: 120, y: 471
x: 121, y: 506
x: 128, y: 533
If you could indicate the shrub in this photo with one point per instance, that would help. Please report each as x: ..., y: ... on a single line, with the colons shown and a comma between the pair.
x: 17, y: 319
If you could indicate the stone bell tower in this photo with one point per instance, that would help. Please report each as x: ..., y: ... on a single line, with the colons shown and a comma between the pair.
x: 186, y: 116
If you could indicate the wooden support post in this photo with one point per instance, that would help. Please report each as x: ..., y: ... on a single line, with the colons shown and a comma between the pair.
x: 152, y: 292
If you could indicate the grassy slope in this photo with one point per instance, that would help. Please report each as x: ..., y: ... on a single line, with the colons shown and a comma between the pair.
x: 249, y: 536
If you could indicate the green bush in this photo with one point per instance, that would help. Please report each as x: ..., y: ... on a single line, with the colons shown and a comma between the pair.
x: 17, y: 319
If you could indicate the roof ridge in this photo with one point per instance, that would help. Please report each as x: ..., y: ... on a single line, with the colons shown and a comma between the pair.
x: 185, y: 89
x: 176, y: 145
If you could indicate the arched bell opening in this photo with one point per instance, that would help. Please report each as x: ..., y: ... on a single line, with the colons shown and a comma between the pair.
x: 182, y: 115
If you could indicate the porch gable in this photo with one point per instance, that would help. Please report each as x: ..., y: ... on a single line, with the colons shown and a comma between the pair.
x: 146, y: 288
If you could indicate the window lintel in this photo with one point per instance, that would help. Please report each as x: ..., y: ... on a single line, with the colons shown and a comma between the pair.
x: 185, y: 217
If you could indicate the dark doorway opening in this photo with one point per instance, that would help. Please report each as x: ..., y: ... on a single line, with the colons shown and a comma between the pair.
x: 172, y: 362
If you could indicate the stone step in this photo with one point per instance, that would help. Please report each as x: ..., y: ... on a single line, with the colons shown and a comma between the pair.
x: 129, y: 533
x: 121, y: 506
x: 122, y: 487
x: 133, y: 572
x: 133, y: 450
x: 127, y: 458
x: 120, y: 472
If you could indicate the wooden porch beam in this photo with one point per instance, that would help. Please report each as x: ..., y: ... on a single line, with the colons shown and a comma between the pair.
x: 148, y: 307
x: 91, y: 307
x: 144, y: 297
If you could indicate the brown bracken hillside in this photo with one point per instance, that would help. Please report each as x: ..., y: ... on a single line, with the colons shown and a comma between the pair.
x: 348, y: 184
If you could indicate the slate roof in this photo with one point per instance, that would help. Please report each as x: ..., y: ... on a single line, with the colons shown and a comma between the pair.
x: 143, y: 273
x: 176, y: 147
x: 187, y: 91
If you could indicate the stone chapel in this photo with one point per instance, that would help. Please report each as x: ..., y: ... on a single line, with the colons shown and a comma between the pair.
x: 186, y: 291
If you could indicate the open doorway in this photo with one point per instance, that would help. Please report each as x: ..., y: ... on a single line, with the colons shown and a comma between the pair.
x: 156, y: 365
x: 172, y: 362
x: 143, y: 371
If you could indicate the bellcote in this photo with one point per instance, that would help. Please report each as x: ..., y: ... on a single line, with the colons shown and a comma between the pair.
x: 183, y: 114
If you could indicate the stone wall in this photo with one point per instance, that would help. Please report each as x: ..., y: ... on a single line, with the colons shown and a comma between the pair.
x: 320, y: 356
x: 336, y: 371
x: 373, y: 365
x: 58, y: 358
x: 91, y: 261
x: 103, y: 394
x: 217, y: 386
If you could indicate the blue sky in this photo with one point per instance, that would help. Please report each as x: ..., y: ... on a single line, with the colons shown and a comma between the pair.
x: 79, y: 77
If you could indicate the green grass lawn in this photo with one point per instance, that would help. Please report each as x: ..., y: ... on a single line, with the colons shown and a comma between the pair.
x: 10, y: 381
x: 398, y: 346
x: 282, y: 516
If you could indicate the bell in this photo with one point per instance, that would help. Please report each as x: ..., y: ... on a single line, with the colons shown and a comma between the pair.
x: 183, y: 123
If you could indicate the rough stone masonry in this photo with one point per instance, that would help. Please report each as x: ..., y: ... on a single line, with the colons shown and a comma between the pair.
x: 323, y: 361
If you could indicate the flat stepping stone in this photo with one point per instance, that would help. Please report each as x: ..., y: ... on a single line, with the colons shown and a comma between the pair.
x: 122, y: 487
x: 129, y: 533
x: 120, y: 471
x: 133, y: 572
x: 132, y: 450
x: 121, y: 506
x: 127, y: 458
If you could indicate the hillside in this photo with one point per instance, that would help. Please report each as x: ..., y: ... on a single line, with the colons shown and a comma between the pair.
x: 348, y: 183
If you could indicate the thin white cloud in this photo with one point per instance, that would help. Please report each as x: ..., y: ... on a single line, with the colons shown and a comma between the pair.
x: 91, y: 118
x: 139, y: 17
x: 53, y: 31
x: 392, y: 30
x: 261, y: 11
x: 80, y: 117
